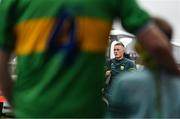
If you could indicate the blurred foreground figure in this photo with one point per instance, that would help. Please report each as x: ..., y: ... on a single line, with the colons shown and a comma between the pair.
x: 151, y: 93
x: 60, y: 47
x: 139, y: 95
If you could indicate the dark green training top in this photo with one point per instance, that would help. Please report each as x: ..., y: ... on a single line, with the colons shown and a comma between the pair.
x: 116, y: 67
x: 119, y: 66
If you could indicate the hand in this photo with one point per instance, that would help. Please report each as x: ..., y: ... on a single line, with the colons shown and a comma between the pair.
x: 108, y: 73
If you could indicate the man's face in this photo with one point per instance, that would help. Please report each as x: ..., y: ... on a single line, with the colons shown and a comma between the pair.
x: 118, y: 51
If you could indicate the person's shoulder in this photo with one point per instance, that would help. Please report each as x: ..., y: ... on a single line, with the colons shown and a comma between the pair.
x: 128, y: 60
x: 108, y: 60
x: 112, y: 60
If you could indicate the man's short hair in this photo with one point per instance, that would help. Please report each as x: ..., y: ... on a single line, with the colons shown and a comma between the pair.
x: 119, y: 43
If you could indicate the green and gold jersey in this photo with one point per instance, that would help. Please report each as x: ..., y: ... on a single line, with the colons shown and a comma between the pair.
x: 60, y: 47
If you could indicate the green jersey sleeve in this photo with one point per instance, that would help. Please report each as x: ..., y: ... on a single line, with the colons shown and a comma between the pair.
x: 132, y: 16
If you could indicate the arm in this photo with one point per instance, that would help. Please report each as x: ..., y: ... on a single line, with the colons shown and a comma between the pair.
x: 157, y: 44
x: 108, y: 68
x: 6, y: 83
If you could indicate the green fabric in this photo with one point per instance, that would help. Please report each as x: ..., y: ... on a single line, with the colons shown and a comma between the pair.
x: 49, y: 87
x: 132, y: 16
x: 29, y: 8
x: 77, y: 87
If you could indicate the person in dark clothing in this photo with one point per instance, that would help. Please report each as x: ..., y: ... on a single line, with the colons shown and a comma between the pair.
x: 119, y: 63
x: 115, y: 66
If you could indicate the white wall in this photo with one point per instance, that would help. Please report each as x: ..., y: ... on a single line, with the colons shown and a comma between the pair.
x: 168, y: 9
x: 176, y: 51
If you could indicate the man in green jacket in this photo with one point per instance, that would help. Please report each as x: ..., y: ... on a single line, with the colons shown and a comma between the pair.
x: 117, y: 65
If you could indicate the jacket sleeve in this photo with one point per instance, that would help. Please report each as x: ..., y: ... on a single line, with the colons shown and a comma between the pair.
x: 132, y: 66
x: 132, y: 16
x: 108, y: 65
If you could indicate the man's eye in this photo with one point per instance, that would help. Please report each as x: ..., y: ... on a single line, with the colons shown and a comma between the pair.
x: 116, y: 49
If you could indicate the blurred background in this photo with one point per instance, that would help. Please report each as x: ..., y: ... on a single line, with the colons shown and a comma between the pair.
x: 168, y: 9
